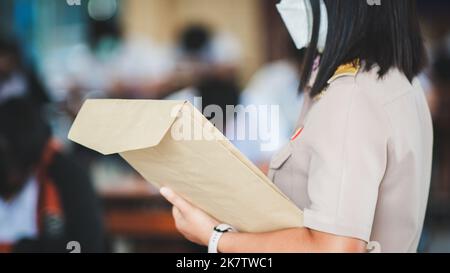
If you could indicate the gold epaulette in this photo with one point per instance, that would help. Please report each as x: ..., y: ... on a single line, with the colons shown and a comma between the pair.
x: 349, y: 69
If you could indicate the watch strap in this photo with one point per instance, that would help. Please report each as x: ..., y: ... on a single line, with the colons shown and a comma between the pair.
x: 218, y: 232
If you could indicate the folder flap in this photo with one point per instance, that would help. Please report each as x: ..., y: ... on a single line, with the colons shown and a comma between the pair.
x: 116, y: 126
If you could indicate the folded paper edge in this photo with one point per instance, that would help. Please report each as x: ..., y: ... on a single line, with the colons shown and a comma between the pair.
x: 76, y: 139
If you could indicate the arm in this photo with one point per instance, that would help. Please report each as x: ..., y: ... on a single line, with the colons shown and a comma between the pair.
x: 197, y: 227
x: 300, y: 240
x: 82, y: 208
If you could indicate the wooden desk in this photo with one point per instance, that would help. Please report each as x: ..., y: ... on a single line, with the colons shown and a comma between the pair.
x: 135, y: 211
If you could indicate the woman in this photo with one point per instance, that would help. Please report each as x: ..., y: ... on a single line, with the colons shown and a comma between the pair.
x: 46, y: 198
x: 359, y: 166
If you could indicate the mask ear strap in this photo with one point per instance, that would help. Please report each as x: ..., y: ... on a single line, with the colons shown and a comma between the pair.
x: 310, y: 19
x: 323, y: 31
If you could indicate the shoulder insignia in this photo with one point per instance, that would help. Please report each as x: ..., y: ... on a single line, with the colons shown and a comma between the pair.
x: 349, y: 69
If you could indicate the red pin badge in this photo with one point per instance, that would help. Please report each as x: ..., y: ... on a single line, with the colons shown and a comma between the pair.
x: 297, y: 134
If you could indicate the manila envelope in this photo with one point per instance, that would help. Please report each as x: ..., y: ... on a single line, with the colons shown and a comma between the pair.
x: 171, y: 144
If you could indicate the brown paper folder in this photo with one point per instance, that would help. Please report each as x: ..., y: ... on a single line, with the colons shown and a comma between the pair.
x: 204, y: 168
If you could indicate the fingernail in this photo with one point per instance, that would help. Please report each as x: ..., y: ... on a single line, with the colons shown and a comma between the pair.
x: 164, y: 191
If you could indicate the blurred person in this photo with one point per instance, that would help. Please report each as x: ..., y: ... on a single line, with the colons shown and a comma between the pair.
x: 212, y: 91
x: 439, y: 100
x: 202, y: 53
x: 134, y: 66
x: 193, y: 58
x: 46, y: 198
x: 195, y: 44
x: 219, y: 92
x: 359, y: 165
x: 111, y: 65
x: 203, y: 70
x: 17, y: 80
x: 91, y: 67
x: 201, y: 50
x: 276, y: 83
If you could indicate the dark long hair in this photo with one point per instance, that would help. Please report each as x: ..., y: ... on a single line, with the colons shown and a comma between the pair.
x: 24, y: 133
x: 387, y: 35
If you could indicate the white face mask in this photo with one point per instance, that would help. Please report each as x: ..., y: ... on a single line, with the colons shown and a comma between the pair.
x: 298, y: 18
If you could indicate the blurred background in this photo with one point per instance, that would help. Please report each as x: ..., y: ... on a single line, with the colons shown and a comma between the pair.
x: 54, y: 54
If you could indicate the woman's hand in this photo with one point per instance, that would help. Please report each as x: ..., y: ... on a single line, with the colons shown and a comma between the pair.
x: 192, y: 222
x: 197, y: 227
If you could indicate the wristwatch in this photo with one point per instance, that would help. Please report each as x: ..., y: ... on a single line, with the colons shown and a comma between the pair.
x: 218, y: 232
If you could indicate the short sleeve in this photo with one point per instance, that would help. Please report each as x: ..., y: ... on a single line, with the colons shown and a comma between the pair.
x: 347, y: 140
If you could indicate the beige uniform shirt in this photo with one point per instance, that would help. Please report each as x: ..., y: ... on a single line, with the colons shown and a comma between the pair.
x: 361, y: 165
